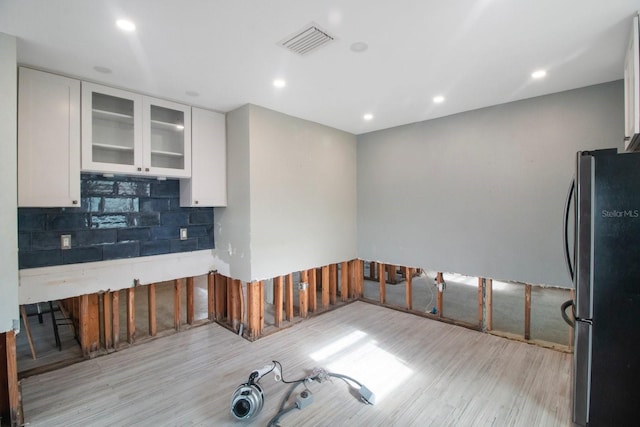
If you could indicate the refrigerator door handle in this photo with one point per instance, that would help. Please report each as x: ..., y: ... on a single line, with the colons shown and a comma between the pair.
x: 563, y: 311
x: 567, y: 212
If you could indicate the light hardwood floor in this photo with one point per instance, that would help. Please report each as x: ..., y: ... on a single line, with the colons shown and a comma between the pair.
x: 424, y: 373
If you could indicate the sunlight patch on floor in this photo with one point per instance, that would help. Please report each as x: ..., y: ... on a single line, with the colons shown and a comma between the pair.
x: 364, y: 361
x: 337, y: 346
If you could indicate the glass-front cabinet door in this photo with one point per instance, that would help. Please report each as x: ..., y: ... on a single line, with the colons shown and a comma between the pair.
x: 167, y: 142
x: 111, y: 130
x: 128, y: 133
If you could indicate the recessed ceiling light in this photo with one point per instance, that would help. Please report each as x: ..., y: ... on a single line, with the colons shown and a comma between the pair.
x: 126, y: 25
x: 359, y: 47
x: 368, y: 117
x: 279, y: 83
x: 101, y: 69
x: 438, y: 99
x: 539, y: 74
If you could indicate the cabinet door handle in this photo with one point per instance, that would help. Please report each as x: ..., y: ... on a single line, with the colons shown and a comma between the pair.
x: 196, y: 202
x: 74, y: 202
x: 139, y: 169
x: 146, y: 169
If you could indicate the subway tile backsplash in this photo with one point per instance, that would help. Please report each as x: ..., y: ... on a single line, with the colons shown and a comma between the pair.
x: 119, y: 217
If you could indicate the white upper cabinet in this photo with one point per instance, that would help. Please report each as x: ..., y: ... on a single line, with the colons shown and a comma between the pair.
x: 208, y: 183
x: 632, y: 90
x: 166, y: 137
x: 48, y: 140
x: 111, y: 130
x: 128, y: 133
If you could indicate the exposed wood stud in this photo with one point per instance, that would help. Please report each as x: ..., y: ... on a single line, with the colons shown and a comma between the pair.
x: 89, y: 323
x: 408, y: 289
x: 312, y: 293
x: 10, y: 405
x: 303, y: 296
x: 94, y: 322
x: 230, y: 293
x: 236, y: 304
x: 106, y: 320
x: 359, y: 278
x: 190, y: 298
x: 251, y: 322
x: 211, y: 296
x: 83, y: 317
x: 353, y: 282
x: 261, y: 312
x: 151, y: 296
x: 325, y: 287
x: 177, y: 303
x: 289, y: 296
x: 440, y: 299
x: 372, y: 270
x: 277, y: 300
x: 344, y: 281
x: 391, y: 273
x: 527, y: 312
x: 254, y: 309
x: 480, y: 305
x: 115, y: 318
x: 333, y: 283
x: 382, y: 283
x: 488, y: 289
x: 131, y: 315
x: 220, y: 285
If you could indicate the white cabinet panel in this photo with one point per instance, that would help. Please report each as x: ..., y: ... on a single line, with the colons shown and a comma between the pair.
x: 208, y: 183
x: 48, y: 140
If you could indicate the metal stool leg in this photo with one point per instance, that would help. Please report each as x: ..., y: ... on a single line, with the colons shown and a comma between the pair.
x: 55, y: 327
x: 39, y: 312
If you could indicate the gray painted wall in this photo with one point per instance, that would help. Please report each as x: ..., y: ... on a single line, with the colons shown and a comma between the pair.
x: 232, y: 229
x: 8, y: 181
x: 482, y: 193
x: 292, y: 195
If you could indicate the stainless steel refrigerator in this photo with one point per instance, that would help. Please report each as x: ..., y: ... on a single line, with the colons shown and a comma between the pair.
x: 605, y: 267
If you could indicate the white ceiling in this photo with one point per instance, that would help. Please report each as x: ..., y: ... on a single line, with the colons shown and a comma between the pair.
x: 476, y: 53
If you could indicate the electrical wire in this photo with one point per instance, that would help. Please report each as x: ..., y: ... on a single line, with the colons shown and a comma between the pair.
x: 282, y: 374
x: 274, y: 421
x: 344, y: 378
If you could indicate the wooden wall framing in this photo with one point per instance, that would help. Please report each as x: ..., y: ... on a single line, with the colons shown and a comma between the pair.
x: 97, y: 316
x: 10, y: 405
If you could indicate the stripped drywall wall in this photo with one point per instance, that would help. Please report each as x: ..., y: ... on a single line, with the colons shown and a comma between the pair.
x: 482, y: 193
x: 232, y: 229
x: 303, y: 194
x: 292, y: 195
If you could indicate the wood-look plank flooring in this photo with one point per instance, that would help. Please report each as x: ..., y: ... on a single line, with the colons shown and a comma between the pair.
x: 424, y: 373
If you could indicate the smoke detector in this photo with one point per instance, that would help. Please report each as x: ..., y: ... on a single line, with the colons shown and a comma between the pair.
x: 306, y: 40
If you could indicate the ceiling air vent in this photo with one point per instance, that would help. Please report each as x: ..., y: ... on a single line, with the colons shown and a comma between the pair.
x: 306, y: 40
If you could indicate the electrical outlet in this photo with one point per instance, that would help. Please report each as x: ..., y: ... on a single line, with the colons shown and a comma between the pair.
x: 65, y: 241
x: 304, y: 399
x: 183, y: 234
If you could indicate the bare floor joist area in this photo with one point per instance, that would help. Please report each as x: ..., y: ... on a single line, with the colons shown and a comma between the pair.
x: 424, y: 372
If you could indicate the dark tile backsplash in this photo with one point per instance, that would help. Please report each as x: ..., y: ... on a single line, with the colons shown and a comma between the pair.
x: 119, y: 217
